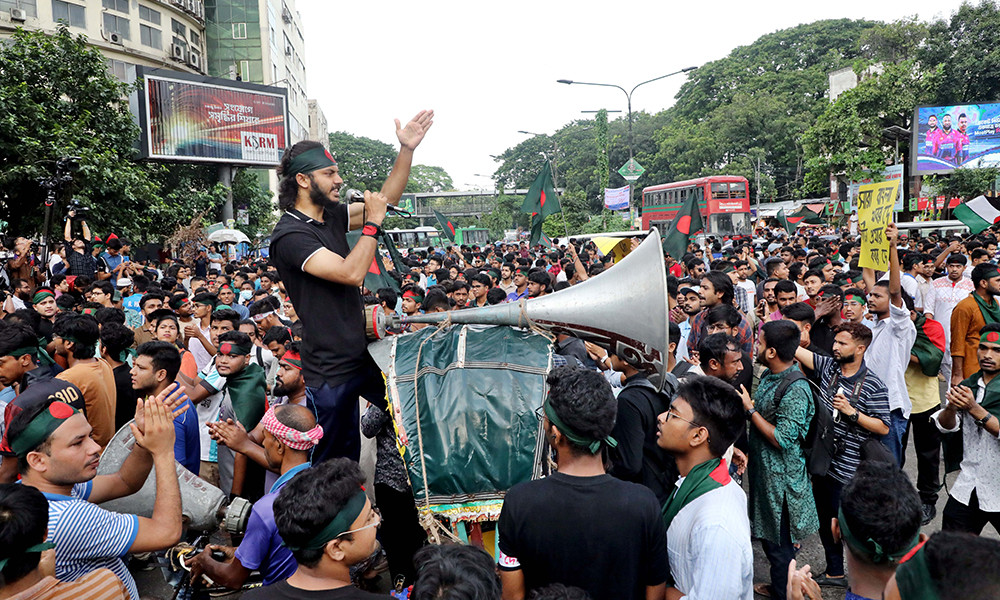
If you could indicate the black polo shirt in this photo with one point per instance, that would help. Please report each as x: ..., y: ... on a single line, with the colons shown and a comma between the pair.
x: 334, y: 347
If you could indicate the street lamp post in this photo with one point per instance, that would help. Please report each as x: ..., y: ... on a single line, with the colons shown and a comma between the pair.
x: 628, y: 97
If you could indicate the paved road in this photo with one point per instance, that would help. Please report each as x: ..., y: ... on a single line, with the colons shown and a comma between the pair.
x: 152, y: 586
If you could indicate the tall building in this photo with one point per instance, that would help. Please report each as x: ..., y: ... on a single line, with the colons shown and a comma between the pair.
x: 154, y: 33
x: 318, y: 126
x: 260, y: 41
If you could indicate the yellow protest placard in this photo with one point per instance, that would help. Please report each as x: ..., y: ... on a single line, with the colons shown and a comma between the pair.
x: 875, y: 204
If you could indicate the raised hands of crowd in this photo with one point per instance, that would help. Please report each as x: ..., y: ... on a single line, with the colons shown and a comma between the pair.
x: 828, y: 306
x: 677, y: 315
x: 172, y: 399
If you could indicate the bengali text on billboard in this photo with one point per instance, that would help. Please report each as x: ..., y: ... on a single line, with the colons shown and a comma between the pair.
x: 213, y: 122
x: 950, y: 137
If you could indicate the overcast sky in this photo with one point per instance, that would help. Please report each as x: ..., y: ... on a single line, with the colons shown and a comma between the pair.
x: 489, y: 69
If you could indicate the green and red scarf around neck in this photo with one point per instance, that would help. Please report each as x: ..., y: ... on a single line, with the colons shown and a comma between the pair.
x: 991, y: 312
x: 702, y: 479
x: 953, y: 444
x: 706, y: 477
x: 248, y: 394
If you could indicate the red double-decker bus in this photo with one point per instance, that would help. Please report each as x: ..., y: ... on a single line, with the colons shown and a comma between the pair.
x: 723, y: 200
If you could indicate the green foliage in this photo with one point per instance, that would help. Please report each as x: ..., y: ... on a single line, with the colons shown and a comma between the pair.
x: 364, y: 163
x: 424, y: 178
x: 963, y: 48
x: 502, y: 217
x: 964, y: 183
x: 850, y: 136
x: 57, y: 99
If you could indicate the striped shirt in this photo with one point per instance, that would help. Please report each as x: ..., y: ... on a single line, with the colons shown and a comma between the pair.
x: 101, y: 584
x: 873, y: 401
x: 88, y: 538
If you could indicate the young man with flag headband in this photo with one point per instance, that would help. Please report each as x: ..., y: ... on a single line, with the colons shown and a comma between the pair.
x: 944, y: 295
x: 708, y: 532
x: 289, y: 434
x: 974, y: 408
x: 948, y: 566
x: 520, y: 285
x: 325, y: 519
x: 57, y: 456
x: 322, y: 276
x: 581, y: 526
x: 969, y: 317
x: 244, y: 400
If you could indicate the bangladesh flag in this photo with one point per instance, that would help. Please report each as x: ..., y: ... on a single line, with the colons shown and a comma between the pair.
x: 804, y: 215
x: 447, y: 226
x: 377, y: 278
x: 686, y: 221
x: 540, y: 202
x: 789, y: 223
x: 979, y: 214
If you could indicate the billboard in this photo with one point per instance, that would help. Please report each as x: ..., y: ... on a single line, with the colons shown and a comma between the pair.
x: 193, y: 118
x: 950, y: 137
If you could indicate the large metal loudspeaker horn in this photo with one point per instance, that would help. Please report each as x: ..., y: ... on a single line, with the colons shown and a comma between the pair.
x: 624, y: 309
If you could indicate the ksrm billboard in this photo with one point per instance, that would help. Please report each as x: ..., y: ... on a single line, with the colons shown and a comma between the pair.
x: 946, y: 138
x: 191, y: 118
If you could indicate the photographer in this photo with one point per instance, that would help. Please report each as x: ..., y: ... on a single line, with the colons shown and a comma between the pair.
x: 79, y: 255
x: 23, y: 264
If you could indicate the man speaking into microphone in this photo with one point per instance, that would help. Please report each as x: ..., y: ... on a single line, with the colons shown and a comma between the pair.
x: 323, y: 276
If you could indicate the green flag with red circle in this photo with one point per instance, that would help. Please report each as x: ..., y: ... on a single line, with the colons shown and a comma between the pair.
x: 447, y: 226
x: 686, y: 222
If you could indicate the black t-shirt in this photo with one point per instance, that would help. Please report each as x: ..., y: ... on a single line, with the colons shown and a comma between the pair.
x: 597, y: 533
x: 282, y: 591
x: 125, y: 404
x: 334, y: 346
x: 638, y: 458
x: 200, y: 267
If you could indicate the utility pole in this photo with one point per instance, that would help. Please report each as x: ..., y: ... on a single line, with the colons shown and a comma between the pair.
x: 758, y: 186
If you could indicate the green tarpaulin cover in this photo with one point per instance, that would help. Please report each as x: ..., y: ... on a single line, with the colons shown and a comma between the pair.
x: 476, y: 393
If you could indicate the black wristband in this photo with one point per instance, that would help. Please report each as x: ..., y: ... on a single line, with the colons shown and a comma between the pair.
x: 371, y: 229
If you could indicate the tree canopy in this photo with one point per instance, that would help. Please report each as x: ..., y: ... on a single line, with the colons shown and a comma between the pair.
x: 58, y: 99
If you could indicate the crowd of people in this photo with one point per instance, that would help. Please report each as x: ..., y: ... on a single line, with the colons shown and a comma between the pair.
x: 793, y: 380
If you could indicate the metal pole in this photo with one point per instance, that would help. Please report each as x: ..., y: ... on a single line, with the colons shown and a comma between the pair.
x: 50, y: 200
x: 555, y: 182
x: 758, y: 187
x: 226, y: 179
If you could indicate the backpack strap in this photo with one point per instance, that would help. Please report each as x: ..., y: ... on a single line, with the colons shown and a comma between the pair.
x: 790, y: 377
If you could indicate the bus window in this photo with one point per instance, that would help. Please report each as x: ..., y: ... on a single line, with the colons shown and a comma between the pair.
x: 737, y: 190
x: 729, y: 223
x: 719, y: 191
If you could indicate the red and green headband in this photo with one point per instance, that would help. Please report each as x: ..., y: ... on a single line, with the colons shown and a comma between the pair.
x: 41, y: 427
x: 309, y: 161
x: 233, y: 349
x: 41, y: 294
x: 855, y: 298
x: 990, y: 337
x: 411, y: 294
x: 293, y: 359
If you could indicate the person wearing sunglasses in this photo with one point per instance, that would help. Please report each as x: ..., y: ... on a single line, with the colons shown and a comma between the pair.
x: 708, y: 531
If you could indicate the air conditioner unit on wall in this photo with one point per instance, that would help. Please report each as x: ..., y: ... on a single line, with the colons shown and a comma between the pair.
x: 194, y: 60
x: 18, y: 14
x: 115, y: 38
x: 177, y: 52
x: 288, y: 50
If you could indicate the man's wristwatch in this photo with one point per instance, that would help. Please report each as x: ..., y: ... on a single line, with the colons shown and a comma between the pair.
x: 982, y: 422
x: 853, y: 417
x: 750, y: 413
x: 371, y: 229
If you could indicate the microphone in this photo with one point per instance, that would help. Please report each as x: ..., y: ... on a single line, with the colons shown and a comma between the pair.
x: 351, y: 195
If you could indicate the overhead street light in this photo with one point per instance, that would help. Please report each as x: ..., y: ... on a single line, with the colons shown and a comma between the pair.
x: 628, y: 97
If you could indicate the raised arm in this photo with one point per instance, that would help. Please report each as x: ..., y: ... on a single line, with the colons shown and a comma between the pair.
x: 895, y: 287
x: 805, y: 357
x: 351, y: 270
x: 409, y: 138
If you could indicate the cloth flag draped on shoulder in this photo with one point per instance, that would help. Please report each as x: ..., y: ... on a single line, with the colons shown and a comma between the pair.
x: 979, y: 214
x: 447, y: 226
x: 686, y: 222
x: 540, y: 202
